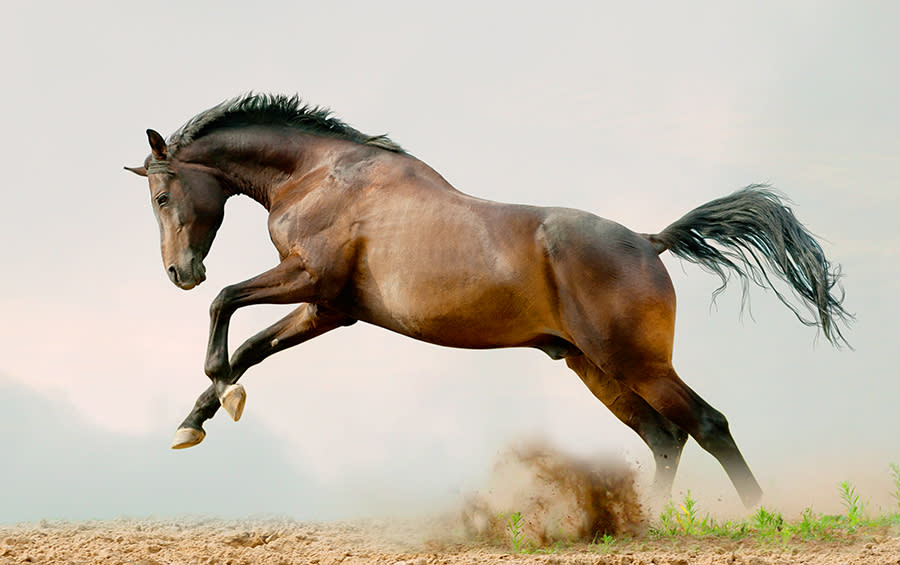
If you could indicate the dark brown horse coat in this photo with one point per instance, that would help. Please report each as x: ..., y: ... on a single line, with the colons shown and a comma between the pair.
x: 367, y: 232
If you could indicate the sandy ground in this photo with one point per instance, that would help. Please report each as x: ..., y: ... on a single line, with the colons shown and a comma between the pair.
x: 560, y: 499
x: 148, y: 542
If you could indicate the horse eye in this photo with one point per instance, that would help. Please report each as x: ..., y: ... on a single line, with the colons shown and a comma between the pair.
x: 162, y: 198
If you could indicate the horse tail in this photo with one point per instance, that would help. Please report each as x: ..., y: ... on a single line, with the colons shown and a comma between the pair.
x: 752, y: 225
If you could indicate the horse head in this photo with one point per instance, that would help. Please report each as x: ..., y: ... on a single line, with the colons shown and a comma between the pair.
x: 189, y: 205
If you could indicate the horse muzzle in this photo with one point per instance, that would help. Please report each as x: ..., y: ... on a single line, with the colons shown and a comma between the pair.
x: 188, y: 277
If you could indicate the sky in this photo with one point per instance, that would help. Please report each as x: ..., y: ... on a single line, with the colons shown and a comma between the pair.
x: 636, y: 112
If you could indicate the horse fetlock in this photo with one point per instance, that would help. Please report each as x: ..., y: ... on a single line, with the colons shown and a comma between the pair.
x: 217, y: 369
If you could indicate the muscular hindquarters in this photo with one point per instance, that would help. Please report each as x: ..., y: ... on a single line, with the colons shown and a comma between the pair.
x: 615, y: 298
x: 618, y: 304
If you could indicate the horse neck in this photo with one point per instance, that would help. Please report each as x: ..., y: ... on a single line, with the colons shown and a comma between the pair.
x: 248, y: 180
x: 254, y: 163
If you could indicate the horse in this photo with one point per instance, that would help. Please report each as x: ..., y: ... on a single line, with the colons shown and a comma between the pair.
x: 365, y: 231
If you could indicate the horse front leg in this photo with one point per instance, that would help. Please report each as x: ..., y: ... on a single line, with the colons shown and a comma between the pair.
x: 287, y: 283
x: 191, y: 432
x: 304, y: 323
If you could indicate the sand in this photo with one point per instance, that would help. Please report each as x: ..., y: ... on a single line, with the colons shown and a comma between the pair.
x: 564, y: 503
x: 270, y: 541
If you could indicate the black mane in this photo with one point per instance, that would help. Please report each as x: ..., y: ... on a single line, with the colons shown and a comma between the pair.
x: 272, y: 109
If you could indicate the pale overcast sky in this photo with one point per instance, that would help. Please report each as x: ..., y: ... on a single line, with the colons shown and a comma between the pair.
x: 637, y: 113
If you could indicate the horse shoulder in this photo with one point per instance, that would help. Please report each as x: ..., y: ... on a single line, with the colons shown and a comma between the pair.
x: 318, y: 233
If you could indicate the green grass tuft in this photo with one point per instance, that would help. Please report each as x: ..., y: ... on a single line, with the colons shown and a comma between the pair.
x: 604, y: 544
x: 895, y: 472
x: 516, y: 536
x: 855, y: 507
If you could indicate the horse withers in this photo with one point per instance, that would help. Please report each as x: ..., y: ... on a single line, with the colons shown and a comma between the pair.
x: 365, y: 231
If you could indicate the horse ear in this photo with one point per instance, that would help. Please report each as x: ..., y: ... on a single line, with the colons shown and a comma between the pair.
x: 157, y: 144
x: 141, y: 171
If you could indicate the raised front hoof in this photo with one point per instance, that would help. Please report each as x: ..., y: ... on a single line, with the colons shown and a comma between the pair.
x: 233, y: 400
x: 187, y: 437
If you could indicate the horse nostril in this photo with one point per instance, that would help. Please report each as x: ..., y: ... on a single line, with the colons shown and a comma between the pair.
x: 173, y: 273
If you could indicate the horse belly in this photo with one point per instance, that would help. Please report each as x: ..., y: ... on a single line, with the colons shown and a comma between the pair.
x: 469, y: 308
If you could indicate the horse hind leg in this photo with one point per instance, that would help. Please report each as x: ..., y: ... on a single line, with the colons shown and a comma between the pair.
x: 664, y: 390
x: 664, y: 438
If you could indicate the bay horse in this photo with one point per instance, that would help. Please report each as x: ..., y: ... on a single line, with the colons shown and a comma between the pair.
x: 365, y: 231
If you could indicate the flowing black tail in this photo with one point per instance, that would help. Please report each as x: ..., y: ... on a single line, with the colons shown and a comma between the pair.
x: 754, y: 224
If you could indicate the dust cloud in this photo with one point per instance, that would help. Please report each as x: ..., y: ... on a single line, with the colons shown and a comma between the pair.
x: 559, y: 498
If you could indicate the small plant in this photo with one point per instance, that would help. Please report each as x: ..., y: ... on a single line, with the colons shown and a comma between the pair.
x: 684, y: 520
x: 809, y: 527
x: 895, y: 472
x: 688, y: 520
x: 516, y: 535
x: 852, y: 503
x: 767, y: 522
x: 668, y: 524
x: 729, y: 529
x: 605, y: 544
x: 770, y: 524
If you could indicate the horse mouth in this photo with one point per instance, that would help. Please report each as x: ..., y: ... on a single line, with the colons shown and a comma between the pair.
x: 188, y: 285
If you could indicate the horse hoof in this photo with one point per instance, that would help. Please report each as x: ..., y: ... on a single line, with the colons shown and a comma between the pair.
x: 233, y: 400
x: 187, y: 437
